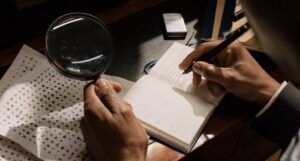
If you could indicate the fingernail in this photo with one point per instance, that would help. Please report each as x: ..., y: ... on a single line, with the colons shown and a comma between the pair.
x: 101, y: 83
x: 211, y: 69
x: 197, y: 69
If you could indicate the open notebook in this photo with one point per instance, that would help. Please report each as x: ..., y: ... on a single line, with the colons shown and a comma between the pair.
x: 170, y: 107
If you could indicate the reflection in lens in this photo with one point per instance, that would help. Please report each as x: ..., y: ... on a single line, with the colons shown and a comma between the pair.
x: 79, y: 46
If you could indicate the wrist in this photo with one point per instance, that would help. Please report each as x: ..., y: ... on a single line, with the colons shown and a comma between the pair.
x: 268, y: 91
x: 133, y: 158
x: 133, y: 155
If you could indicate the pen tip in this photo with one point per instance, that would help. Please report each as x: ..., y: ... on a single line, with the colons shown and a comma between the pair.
x: 187, y: 70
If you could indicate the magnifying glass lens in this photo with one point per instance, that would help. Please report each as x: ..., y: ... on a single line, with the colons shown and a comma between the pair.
x: 79, y: 46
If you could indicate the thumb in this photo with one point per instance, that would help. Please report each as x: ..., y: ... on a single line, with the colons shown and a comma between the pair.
x: 212, y: 73
x: 108, y: 96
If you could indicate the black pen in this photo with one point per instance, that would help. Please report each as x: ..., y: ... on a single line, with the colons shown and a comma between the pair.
x: 214, y: 52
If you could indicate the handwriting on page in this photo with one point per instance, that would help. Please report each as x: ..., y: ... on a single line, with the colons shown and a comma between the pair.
x: 167, y: 68
x: 168, y: 109
x: 169, y: 105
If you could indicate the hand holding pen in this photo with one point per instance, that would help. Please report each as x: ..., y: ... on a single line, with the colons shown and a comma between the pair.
x: 214, y: 52
x: 233, y: 70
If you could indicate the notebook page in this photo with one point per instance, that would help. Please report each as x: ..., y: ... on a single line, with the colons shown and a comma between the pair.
x: 167, y: 68
x: 169, y: 102
x: 168, y: 109
x: 41, y: 112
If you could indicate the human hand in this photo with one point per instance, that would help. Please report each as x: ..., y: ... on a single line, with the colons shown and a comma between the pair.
x: 233, y: 70
x: 110, y: 129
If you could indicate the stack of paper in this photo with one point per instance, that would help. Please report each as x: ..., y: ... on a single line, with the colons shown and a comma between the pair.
x: 41, y: 109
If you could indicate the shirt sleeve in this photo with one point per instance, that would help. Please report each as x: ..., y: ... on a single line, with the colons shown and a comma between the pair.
x: 292, y: 152
x: 279, y: 121
x: 271, y: 101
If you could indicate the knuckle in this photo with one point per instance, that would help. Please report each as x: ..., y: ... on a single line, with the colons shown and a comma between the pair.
x: 235, y: 46
x: 108, y: 97
x: 208, y: 71
x: 127, y: 111
x: 230, y: 76
x: 198, y: 64
x: 106, y: 93
x: 90, y: 109
x: 127, y: 104
x: 87, y: 103
x: 87, y: 90
x: 99, y: 82
x: 229, y: 50
x: 102, y: 84
x: 205, y: 73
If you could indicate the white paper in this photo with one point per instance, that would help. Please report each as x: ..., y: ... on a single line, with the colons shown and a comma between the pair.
x: 167, y: 68
x: 26, y: 61
x: 167, y: 101
x: 41, y: 109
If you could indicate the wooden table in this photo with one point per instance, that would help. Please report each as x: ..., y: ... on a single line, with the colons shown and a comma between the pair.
x: 226, y: 136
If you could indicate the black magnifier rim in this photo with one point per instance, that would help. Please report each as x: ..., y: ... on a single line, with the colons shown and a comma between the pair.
x: 64, y: 72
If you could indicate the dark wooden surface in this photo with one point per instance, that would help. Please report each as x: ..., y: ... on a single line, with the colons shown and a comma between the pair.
x: 231, y: 116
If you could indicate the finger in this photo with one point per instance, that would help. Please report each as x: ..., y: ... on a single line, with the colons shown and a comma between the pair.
x: 221, y: 59
x: 89, y: 138
x: 196, y: 79
x: 92, y: 103
x: 215, y: 88
x: 205, y: 47
x: 218, y: 75
x: 116, y: 85
x: 85, y: 131
x: 109, y: 97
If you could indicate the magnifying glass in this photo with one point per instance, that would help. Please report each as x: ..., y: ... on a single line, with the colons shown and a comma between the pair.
x: 79, y: 46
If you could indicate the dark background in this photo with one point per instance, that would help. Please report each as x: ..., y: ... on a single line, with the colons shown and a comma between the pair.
x: 19, y: 24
